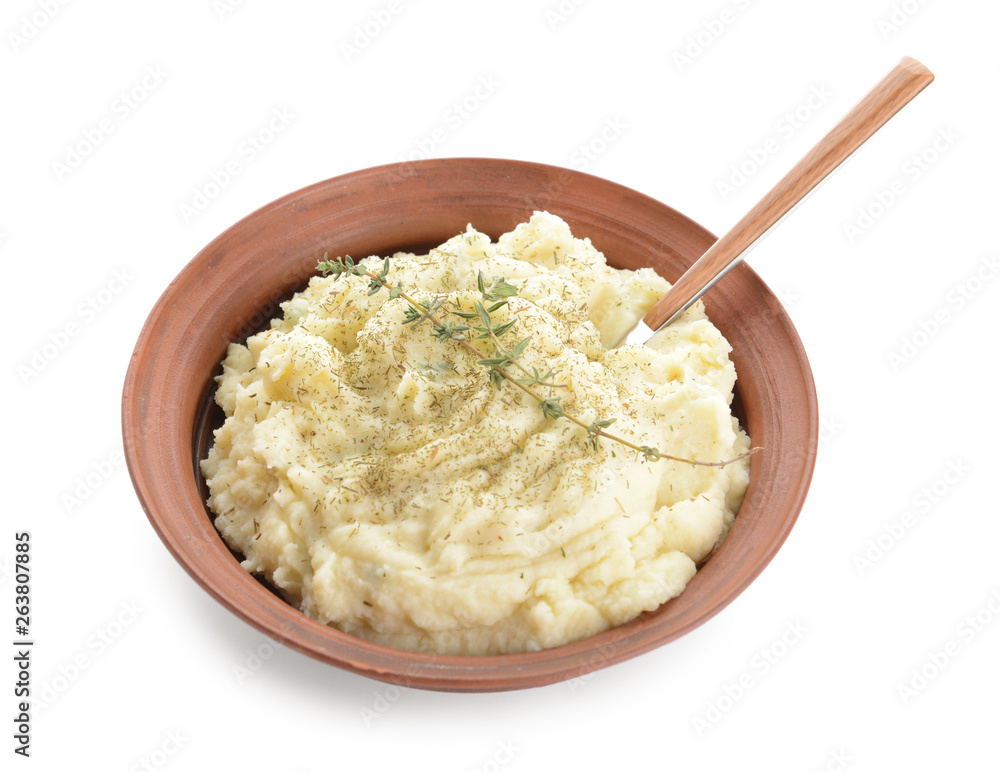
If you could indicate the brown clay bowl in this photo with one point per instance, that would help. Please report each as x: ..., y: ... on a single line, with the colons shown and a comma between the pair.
x: 233, y: 286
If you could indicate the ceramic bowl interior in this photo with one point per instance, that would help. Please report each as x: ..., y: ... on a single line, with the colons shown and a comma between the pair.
x: 234, y: 285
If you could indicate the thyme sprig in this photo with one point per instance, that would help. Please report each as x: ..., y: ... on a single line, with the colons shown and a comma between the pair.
x: 494, y: 292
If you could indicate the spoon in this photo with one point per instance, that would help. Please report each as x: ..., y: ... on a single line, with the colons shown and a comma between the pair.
x: 895, y: 90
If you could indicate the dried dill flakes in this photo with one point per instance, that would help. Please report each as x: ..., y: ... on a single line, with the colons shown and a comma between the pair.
x: 481, y: 401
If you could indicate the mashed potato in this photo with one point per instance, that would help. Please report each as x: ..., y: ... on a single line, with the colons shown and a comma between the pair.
x: 375, y: 475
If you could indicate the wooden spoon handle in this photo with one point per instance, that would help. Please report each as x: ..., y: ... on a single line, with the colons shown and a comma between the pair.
x: 905, y: 81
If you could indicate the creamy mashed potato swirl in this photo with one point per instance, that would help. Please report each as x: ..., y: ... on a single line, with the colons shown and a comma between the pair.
x: 376, y: 476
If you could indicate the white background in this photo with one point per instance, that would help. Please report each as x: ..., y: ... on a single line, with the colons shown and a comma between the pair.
x: 896, y: 302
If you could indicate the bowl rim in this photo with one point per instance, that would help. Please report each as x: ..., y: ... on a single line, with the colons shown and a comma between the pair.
x: 153, y: 448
